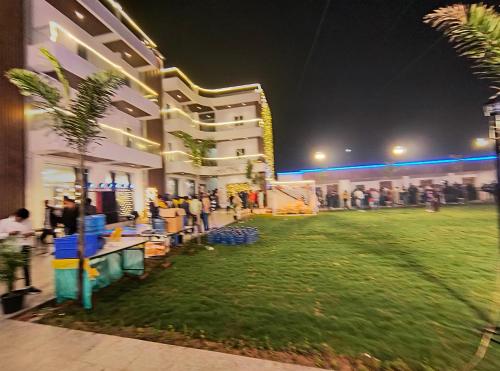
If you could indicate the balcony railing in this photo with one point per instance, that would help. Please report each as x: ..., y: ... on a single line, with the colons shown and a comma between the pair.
x: 110, y: 133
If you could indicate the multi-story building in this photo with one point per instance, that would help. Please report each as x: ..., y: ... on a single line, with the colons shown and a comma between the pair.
x: 238, y: 122
x: 86, y: 36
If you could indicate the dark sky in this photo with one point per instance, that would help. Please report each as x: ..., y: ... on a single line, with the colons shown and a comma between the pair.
x: 377, y: 77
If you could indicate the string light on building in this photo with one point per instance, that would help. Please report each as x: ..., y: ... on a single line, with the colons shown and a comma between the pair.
x: 267, y: 126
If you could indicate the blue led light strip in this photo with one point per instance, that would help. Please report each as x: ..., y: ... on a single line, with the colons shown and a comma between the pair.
x: 396, y: 164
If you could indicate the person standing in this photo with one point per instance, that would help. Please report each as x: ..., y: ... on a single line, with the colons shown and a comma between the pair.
x: 237, y: 204
x: 49, y: 223
x: 260, y: 199
x: 184, y: 204
x: 89, y: 208
x: 252, y: 200
x: 345, y: 198
x: 70, y: 216
x: 359, y: 196
x: 205, y: 211
x: 18, y: 226
x: 195, y: 207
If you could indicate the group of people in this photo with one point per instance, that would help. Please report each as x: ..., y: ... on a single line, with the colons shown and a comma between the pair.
x: 67, y: 217
x: 432, y: 196
x: 245, y: 200
x: 19, y: 229
x: 198, y: 208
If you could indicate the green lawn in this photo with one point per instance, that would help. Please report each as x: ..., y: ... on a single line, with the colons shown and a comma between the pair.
x: 393, y: 283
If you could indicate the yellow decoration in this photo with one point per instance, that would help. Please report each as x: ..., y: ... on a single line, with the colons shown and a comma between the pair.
x: 73, y: 264
x: 267, y: 125
x: 116, y: 235
x: 234, y: 188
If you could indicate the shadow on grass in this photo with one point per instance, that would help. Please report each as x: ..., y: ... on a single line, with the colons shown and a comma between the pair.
x: 408, y: 261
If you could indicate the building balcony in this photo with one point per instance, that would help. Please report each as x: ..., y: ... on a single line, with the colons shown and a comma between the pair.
x: 175, y: 86
x: 180, y: 164
x: 114, y: 149
x: 179, y: 123
x: 77, y: 68
x: 98, y: 21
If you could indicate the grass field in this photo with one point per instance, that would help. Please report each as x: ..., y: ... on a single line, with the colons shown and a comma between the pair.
x: 397, y: 284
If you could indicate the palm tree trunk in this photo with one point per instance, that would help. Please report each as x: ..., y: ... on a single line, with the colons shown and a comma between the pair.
x: 81, y: 226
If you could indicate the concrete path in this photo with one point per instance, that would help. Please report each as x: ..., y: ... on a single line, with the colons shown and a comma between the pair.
x: 29, y: 346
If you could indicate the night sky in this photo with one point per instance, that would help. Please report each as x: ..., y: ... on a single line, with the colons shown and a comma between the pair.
x: 377, y: 76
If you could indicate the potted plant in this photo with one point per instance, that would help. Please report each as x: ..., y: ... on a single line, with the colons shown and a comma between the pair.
x: 11, y: 259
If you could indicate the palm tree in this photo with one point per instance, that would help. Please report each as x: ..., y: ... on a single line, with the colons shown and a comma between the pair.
x: 474, y: 31
x: 75, y: 119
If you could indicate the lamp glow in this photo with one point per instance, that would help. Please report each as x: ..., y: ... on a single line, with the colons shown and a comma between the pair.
x: 398, y: 150
x: 481, y: 142
x: 319, y: 156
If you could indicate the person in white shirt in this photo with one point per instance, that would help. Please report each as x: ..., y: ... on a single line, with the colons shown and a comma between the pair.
x: 195, y: 209
x: 18, y: 226
x: 360, y: 197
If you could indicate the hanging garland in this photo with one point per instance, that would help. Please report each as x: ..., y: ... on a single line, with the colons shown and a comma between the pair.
x: 267, y: 126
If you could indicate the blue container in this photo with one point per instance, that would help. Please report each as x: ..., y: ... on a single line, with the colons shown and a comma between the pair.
x: 159, y: 225
x: 67, y: 247
x: 95, y: 224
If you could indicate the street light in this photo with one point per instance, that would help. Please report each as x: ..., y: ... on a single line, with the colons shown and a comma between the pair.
x: 481, y: 142
x: 319, y: 156
x: 398, y: 150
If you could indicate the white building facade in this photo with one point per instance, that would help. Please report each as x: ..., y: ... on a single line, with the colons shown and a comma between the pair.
x: 87, y: 36
x: 237, y: 120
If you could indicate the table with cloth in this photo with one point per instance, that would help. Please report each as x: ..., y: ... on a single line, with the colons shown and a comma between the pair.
x: 100, y: 270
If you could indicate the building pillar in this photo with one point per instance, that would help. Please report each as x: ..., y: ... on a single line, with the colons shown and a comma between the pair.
x: 138, y: 180
x: 34, y: 199
x: 12, y: 125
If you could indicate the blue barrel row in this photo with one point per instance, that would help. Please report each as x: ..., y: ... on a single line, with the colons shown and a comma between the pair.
x: 233, y: 235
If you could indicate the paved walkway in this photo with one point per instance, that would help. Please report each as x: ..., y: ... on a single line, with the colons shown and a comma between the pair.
x: 30, y: 346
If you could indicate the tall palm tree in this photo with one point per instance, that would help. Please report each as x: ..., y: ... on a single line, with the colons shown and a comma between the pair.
x: 75, y: 119
x: 474, y: 31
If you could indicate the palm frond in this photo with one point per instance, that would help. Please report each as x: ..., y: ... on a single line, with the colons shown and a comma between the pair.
x: 198, y: 148
x: 59, y: 72
x: 91, y: 103
x: 474, y: 31
x: 31, y: 84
